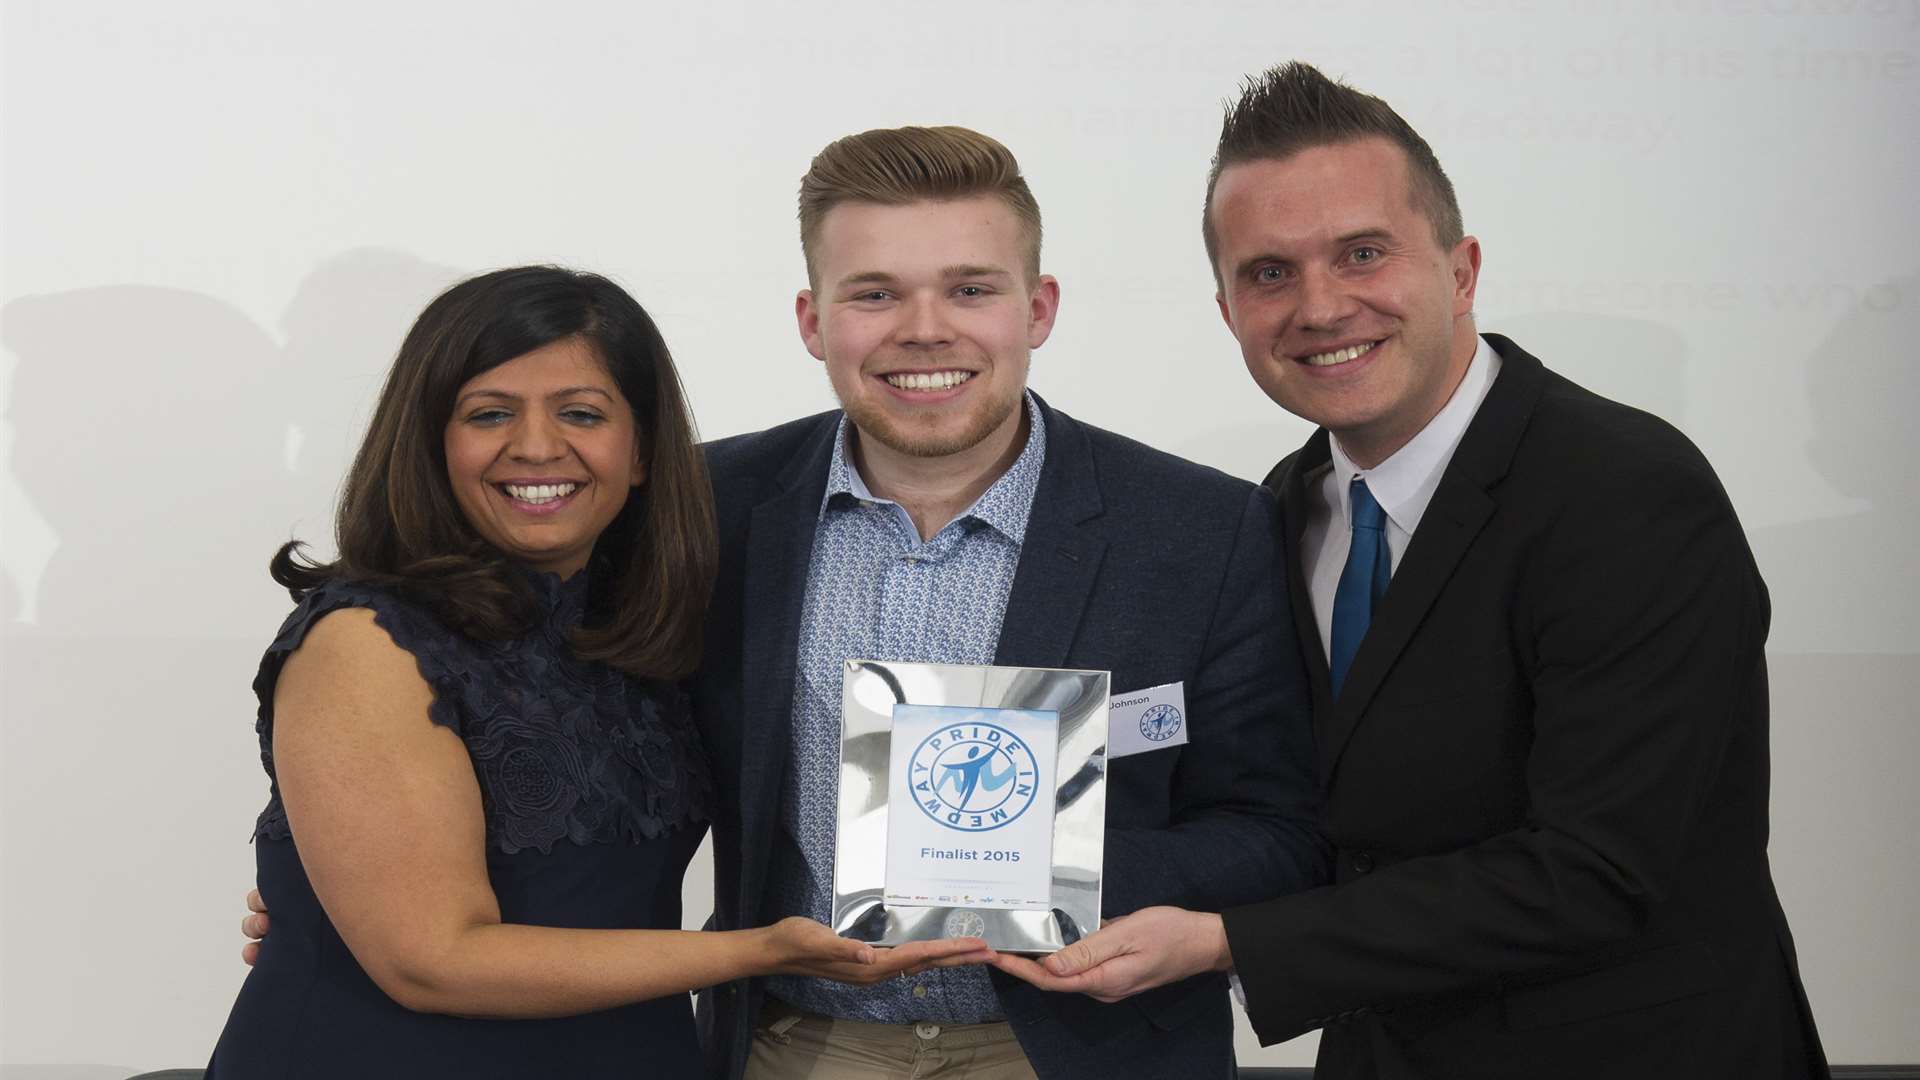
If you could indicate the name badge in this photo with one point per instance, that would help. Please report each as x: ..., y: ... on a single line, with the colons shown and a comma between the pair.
x: 1150, y: 719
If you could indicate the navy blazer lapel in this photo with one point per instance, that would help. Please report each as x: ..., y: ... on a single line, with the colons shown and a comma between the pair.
x: 779, y: 550
x: 1060, y: 556
x: 1288, y: 482
x: 1460, y: 508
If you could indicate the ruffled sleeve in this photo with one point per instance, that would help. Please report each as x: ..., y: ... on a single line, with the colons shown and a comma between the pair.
x: 417, y: 631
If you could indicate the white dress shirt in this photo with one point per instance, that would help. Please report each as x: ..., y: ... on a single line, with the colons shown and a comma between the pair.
x: 1403, y: 485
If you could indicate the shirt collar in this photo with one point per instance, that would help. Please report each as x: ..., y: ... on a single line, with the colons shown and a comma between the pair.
x: 1404, y: 484
x: 1005, y: 505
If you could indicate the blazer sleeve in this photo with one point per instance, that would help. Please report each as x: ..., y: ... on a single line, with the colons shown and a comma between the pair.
x: 1640, y: 621
x: 1245, y: 805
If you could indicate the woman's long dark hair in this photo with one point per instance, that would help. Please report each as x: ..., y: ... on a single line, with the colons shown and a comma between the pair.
x: 399, y: 525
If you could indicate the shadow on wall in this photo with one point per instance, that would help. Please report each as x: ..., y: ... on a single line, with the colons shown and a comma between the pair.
x: 151, y: 433
x: 10, y: 604
x: 1845, y: 584
x: 141, y: 417
x: 1845, y: 635
x: 1632, y: 361
x: 342, y: 329
x: 170, y: 442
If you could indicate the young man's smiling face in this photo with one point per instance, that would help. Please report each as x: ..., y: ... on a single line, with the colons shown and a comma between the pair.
x: 1348, y: 312
x: 925, y: 316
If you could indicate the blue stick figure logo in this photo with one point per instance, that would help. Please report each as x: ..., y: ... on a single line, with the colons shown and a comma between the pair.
x: 973, y: 777
x: 1160, y: 723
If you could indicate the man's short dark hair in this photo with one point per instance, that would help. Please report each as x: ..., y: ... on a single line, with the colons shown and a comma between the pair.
x: 1294, y: 107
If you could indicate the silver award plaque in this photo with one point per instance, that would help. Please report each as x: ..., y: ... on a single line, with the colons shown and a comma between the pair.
x: 972, y: 804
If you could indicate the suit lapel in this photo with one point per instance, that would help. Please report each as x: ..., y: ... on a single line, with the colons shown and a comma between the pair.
x: 1451, y: 522
x: 1060, y: 555
x: 1288, y: 482
x: 779, y: 549
x: 1460, y: 508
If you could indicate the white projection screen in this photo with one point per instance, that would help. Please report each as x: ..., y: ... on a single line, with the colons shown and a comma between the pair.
x: 220, y: 217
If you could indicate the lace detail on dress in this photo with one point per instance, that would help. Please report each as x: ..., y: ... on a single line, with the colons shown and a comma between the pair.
x: 563, y: 748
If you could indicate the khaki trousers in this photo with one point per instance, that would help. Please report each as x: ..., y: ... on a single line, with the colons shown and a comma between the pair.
x: 792, y: 1045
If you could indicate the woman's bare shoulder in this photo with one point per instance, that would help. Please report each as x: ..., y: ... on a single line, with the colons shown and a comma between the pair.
x: 348, y: 658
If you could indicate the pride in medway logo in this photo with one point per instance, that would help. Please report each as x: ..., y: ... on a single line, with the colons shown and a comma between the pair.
x: 973, y: 777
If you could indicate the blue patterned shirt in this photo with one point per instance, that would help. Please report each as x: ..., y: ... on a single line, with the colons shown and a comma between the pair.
x: 875, y: 591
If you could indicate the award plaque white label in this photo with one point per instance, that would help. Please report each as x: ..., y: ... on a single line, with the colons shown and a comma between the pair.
x: 982, y: 783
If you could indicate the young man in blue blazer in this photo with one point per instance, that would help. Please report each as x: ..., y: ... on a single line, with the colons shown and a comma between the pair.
x: 947, y: 514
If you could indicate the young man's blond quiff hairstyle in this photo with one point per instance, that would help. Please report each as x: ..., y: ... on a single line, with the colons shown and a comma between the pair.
x: 900, y: 166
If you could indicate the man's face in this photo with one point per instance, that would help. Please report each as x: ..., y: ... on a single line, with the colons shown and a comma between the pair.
x: 1347, y: 311
x: 925, y: 319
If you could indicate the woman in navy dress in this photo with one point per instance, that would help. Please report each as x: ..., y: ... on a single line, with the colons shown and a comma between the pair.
x: 485, y: 786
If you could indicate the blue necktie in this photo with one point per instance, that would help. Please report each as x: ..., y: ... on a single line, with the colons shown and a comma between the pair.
x: 1362, y: 582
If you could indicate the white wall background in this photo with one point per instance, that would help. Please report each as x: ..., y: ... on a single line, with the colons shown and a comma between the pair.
x: 219, y: 217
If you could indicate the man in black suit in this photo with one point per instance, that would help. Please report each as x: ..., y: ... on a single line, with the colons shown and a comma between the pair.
x: 947, y: 514
x: 1544, y: 746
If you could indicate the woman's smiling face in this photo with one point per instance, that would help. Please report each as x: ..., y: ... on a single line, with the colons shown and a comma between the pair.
x: 542, y: 453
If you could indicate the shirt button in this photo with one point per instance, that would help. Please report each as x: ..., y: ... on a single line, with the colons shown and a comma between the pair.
x: 928, y: 1032
x: 1362, y: 862
x: 919, y: 991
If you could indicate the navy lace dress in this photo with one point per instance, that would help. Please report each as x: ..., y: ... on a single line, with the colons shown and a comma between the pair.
x: 596, y: 796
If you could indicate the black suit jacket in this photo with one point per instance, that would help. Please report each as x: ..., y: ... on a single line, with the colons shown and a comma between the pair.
x: 1134, y: 561
x: 1546, y: 776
